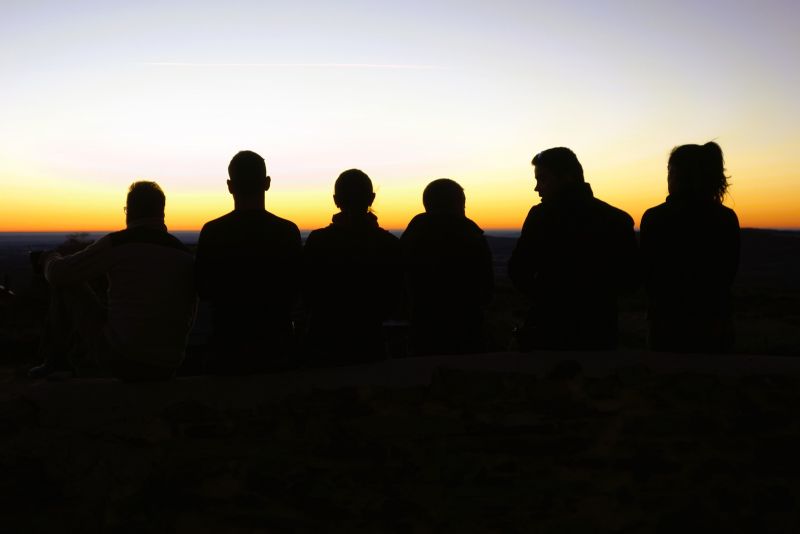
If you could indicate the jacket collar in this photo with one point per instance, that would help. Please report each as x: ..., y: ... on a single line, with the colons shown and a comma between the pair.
x: 154, y: 223
x: 355, y: 220
x: 572, y: 194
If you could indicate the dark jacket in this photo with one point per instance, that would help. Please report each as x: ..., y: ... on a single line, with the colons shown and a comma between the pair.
x: 575, y: 256
x: 690, y: 252
x: 151, y: 297
x: 247, y: 267
x: 352, y: 276
x: 449, y: 280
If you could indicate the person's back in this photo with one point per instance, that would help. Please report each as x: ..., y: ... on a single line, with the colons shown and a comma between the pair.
x: 352, y: 273
x: 151, y: 297
x: 690, y: 252
x: 247, y: 269
x: 576, y: 254
x: 141, y: 332
x: 449, y: 274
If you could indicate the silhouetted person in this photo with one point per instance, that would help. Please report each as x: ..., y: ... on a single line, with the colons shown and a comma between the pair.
x: 690, y: 251
x: 247, y: 267
x: 142, y: 333
x: 575, y: 256
x: 449, y: 274
x: 353, y: 278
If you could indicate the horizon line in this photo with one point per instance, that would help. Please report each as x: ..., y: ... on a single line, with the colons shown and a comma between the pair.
x: 486, y: 229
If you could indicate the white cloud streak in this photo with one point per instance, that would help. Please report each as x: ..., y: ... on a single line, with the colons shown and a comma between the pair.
x: 384, y: 66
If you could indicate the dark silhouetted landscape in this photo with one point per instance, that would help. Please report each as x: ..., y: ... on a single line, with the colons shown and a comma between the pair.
x: 610, y: 441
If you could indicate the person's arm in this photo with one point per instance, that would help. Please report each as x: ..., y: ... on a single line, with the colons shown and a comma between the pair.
x: 733, y: 246
x: 202, y: 265
x: 308, y: 277
x: 522, y: 267
x: 647, y: 256
x: 629, y: 271
x: 295, y: 266
x: 486, y: 274
x: 91, y: 262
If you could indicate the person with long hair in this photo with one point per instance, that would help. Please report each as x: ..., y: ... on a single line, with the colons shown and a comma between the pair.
x: 352, y: 278
x: 690, y: 253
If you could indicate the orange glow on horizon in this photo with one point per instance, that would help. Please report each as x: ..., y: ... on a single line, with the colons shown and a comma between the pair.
x: 495, y: 210
x: 763, y: 197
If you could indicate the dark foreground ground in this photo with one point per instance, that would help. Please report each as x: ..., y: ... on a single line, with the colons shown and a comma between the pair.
x: 543, y: 442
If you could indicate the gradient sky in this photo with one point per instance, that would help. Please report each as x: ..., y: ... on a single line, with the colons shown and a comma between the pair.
x: 94, y: 95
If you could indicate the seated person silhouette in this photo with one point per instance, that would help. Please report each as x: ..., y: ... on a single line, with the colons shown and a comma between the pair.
x: 449, y: 276
x: 574, y: 257
x: 352, y: 278
x: 141, y: 334
x: 690, y: 252
x: 247, y: 269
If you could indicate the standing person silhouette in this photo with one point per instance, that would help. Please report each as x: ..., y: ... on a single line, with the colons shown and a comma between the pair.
x: 449, y: 276
x: 690, y: 251
x: 246, y: 267
x: 141, y: 333
x: 352, y: 278
x: 574, y: 257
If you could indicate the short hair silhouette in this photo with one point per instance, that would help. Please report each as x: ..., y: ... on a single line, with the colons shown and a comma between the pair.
x: 698, y: 170
x: 145, y: 200
x: 353, y: 191
x: 443, y: 195
x: 561, y: 161
x: 247, y: 171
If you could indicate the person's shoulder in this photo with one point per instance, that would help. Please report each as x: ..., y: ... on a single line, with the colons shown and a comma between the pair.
x: 218, y: 224
x: 418, y: 220
x: 387, y: 236
x: 320, y: 235
x: 144, y: 235
x: 613, y: 212
x: 389, y: 243
x: 659, y: 209
x: 113, y: 237
x: 655, y: 214
x: 727, y: 212
x: 414, y: 226
x: 282, y: 223
x: 473, y: 226
x: 726, y: 218
x: 172, y: 241
x: 536, y: 212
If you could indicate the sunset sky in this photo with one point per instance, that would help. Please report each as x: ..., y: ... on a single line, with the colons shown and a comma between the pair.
x: 95, y: 95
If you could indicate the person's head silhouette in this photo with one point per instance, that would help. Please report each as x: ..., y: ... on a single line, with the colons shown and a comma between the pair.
x: 444, y: 196
x: 145, y: 200
x: 352, y: 192
x: 697, y: 171
x: 556, y: 169
x: 248, y: 177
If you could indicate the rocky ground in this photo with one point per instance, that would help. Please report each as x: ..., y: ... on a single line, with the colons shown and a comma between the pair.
x: 608, y: 442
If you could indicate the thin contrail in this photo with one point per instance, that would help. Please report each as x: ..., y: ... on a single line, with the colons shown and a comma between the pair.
x: 296, y: 65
